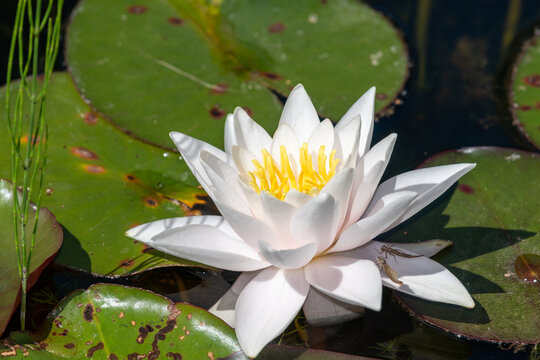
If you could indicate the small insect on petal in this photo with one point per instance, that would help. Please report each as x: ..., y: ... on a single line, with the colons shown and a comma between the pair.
x: 391, y: 273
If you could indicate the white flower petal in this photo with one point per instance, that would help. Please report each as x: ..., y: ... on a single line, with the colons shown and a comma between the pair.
x: 347, y: 279
x: 368, y: 173
x: 208, y: 245
x: 224, y: 308
x: 146, y: 232
x: 421, y: 276
x: 380, y: 152
x: 286, y: 137
x: 189, y: 149
x: 386, y: 211
x: 288, y: 258
x: 340, y: 189
x: 267, y: 305
x: 248, y: 228
x: 253, y: 199
x: 348, y: 138
x: 300, y: 114
x: 296, y: 198
x: 225, y: 181
x: 323, y: 310
x: 362, y: 190
x: 316, y: 222
x: 249, y: 134
x: 323, y: 135
x: 243, y: 159
x: 429, y: 183
x: 230, y: 136
x: 278, y: 215
x: 426, y: 248
x: 365, y: 107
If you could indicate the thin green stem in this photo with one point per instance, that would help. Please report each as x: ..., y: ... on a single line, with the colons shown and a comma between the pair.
x: 28, y: 162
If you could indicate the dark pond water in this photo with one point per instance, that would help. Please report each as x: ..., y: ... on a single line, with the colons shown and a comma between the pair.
x: 455, y: 97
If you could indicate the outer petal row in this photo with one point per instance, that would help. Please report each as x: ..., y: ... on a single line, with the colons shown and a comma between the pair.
x: 267, y: 305
x: 421, y: 276
x: 429, y: 183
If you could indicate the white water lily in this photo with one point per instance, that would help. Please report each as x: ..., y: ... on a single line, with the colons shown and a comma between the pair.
x: 298, y: 213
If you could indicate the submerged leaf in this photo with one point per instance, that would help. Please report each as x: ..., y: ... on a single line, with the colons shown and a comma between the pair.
x: 47, y: 243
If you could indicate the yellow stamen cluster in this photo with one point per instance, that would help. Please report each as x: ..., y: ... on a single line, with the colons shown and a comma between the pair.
x: 278, y: 181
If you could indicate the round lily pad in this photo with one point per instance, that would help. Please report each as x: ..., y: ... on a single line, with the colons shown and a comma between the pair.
x: 99, y: 182
x: 47, y: 242
x: 117, y: 322
x: 524, y: 91
x: 153, y: 66
x: 493, y: 218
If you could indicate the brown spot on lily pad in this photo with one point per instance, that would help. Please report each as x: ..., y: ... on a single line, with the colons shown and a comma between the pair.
x: 143, y: 333
x: 218, y: 89
x: 88, y: 312
x: 270, y: 75
x: 83, y: 153
x: 465, y: 189
x: 130, y: 178
x: 24, y: 139
x: 524, y: 107
x: 151, y: 201
x: 69, y: 346
x: 90, y: 118
x: 528, y: 268
x: 127, y: 263
x: 216, y: 112
x: 112, y: 357
x: 48, y: 191
x: 175, y: 21
x: 174, y: 356
x: 532, y: 80
x: 137, y: 9
x: 94, y: 169
x: 93, y: 349
x: 276, y: 28
x: 381, y: 96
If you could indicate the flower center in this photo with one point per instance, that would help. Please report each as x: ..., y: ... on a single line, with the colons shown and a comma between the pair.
x: 277, y: 181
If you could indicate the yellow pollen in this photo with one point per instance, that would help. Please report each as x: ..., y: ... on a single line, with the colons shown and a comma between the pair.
x: 277, y: 181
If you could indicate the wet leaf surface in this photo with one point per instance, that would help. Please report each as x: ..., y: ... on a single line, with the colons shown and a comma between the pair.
x: 118, y: 322
x: 156, y: 66
x: 493, y: 218
x: 100, y: 182
x: 524, y: 91
x: 47, y: 243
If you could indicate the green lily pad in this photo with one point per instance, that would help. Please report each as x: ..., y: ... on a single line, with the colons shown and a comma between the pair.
x: 156, y: 66
x: 493, y: 218
x: 524, y: 92
x: 47, y: 243
x: 99, y: 182
x: 117, y: 322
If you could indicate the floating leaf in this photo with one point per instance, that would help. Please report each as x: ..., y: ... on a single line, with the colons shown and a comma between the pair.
x: 525, y: 91
x: 493, y: 218
x: 47, y: 243
x: 152, y: 67
x: 100, y: 182
x: 117, y: 322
